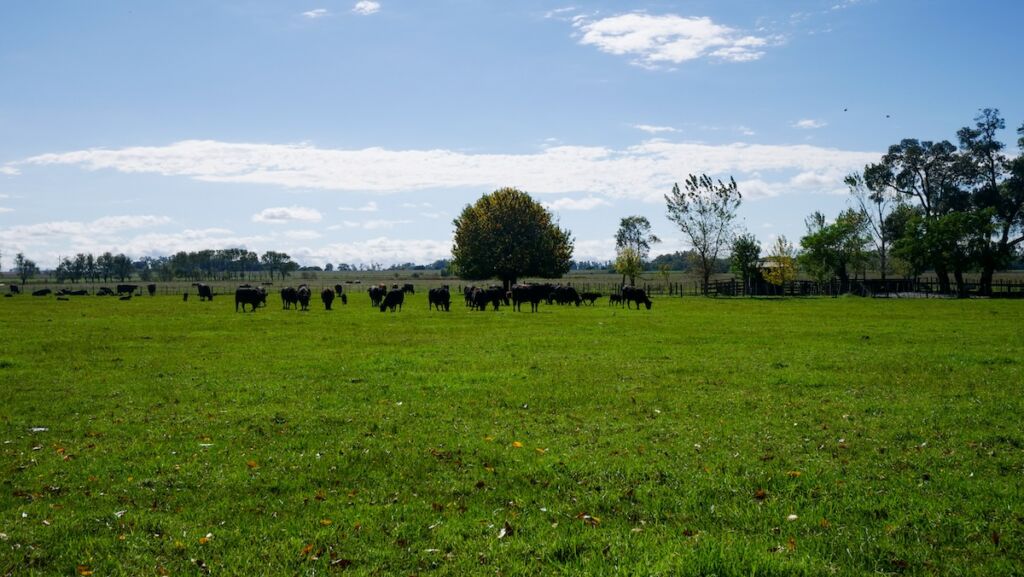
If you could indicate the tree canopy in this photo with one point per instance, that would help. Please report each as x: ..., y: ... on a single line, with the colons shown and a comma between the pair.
x: 507, y: 235
x: 705, y: 212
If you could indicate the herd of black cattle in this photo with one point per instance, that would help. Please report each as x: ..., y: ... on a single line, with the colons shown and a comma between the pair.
x: 439, y: 298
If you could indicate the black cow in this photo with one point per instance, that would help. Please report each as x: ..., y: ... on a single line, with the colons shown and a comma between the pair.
x: 303, y: 293
x: 393, y: 299
x: 529, y: 293
x: 204, y: 290
x: 635, y: 295
x: 564, y: 295
x: 492, y: 295
x: 104, y: 291
x: 344, y: 299
x: 289, y: 297
x: 15, y: 289
x: 408, y: 288
x: 439, y: 297
x: 41, y: 292
x: 327, y: 295
x: 151, y: 288
x: 76, y: 293
x: 376, y: 294
x: 247, y: 295
x: 590, y: 297
x: 126, y: 288
x: 338, y: 289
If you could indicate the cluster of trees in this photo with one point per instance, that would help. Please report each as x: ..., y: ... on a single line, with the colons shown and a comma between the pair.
x: 84, y: 266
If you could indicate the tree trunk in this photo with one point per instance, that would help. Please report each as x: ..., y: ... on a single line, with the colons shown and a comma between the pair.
x: 961, y: 289
x: 943, y: 276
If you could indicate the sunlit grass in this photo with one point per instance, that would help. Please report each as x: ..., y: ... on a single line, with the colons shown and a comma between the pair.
x: 157, y: 436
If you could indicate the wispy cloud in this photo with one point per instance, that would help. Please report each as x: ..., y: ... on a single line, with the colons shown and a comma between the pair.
x: 560, y: 13
x: 366, y: 7
x: 641, y: 171
x: 568, y: 203
x: 4, y: 209
x: 651, y: 129
x: 316, y: 13
x: 368, y: 207
x: 9, y: 171
x: 375, y: 224
x: 285, y: 214
x: 809, y: 124
x: 655, y: 41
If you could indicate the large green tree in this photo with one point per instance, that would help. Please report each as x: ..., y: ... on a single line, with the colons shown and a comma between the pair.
x: 831, y: 248
x: 705, y: 210
x: 24, y: 268
x: 507, y: 235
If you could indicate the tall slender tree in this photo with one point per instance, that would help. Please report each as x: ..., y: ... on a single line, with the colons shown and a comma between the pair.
x: 635, y: 233
x: 705, y: 210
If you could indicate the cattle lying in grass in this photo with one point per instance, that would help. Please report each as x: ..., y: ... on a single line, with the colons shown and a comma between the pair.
x: 151, y: 289
x: 204, y: 290
x: 376, y: 294
x: 303, y: 294
x: 104, y: 291
x: 439, y: 297
x: 41, y: 292
x: 327, y: 296
x: 392, y: 300
x: 635, y: 295
x: 247, y: 295
x: 289, y: 297
x: 127, y: 288
x: 589, y: 297
x: 529, y: 293
x: 64, y: 292
x: 408, y: 288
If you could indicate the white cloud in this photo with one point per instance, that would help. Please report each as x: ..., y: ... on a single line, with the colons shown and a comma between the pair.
x: 366, y: 7
x: 375, y: 224
x: 368, y: 207
x: 567, y: 203
x: 4, y: 209
x: 560, y: 13
x: 654, y: 41
x: 809, y: 124
x: 642, y: 171
x: 317, y: 13
x: 9, y: 171
x: 601, y: 249
x: 651, y: 129
x: 283, y: 214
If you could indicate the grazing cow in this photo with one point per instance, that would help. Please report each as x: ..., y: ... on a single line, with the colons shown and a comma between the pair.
x: 184, y: 296
x: 376, y: 294
x: 467, y: 294
x: 303, y: 293
x: 41, y: 292
x: 439, y: 297
x: 635, y: 295
x: 289, y: 297
x: 614, y: 300
x: 567, y: 295
x: 104, y: 291
x: 247, y: 295
x: 204, y: 290
x: 590, y: 297
x: 529, y: 293
x: 408, y: 288
x: 15, y: 289
x: 126, y: 288
x: 151, y: 288
x: 393, y: 299
x: 327, y: 295
x: 492, y: 295
x: 344, y: 299
x: 338, y: 289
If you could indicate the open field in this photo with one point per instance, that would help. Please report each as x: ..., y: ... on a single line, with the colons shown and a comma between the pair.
x: 729, y: 437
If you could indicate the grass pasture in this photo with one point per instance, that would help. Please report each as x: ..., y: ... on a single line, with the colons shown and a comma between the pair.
x: 727, y: 437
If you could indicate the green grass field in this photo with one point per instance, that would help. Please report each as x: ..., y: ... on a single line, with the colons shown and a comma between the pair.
x: 726, y: 437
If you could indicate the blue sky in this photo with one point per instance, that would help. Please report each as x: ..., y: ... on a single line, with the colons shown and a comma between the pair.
x: 356, y: 131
